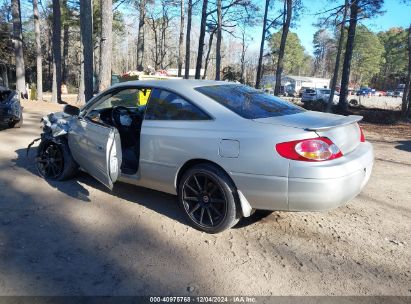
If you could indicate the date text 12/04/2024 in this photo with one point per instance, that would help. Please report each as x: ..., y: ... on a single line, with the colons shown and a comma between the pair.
x: 203, y: 299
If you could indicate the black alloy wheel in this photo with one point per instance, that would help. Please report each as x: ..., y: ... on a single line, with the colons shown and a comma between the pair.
x: 204, y: 200
x: 50, y: 162
x: 209, y: 198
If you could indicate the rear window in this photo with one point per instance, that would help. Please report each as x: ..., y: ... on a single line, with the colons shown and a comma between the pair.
x: 310, y: 91
x: 248, y: 102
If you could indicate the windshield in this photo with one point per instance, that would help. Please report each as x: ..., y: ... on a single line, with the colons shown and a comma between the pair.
x: 248, y: 102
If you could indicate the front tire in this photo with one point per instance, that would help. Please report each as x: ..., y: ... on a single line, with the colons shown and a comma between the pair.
x: 54, y: 160
x: 209, y: 198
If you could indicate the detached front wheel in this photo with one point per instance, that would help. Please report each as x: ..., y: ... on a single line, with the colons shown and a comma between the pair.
x: 54, y: 160
x: 209, y: 198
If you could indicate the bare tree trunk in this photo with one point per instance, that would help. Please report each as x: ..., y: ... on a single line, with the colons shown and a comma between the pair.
x: 86, y: 29
x: 260, y: 57
x: 106, y: 44
x: 163, y: 30
x: 156, y: 52
x: 65, y: 53
x: 81, y: 98
x: 406, y: 97
x: 210, y: 44
x: 338, y: 58
x: 188, y: 40
x: 96, y: 55
x: 201, y: 40
x: 242, y: 60
x: 181, y: 40
x: 280, y: 62
x: 49, y: 56
x: 39, y: 59
x: 18, y: 47
x: 345, y: 77
x: 56, y: 89
x: 218, y: 43
x: 140, y: 42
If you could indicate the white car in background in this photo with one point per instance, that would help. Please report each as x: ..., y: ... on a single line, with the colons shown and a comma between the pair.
x: 319, y: 95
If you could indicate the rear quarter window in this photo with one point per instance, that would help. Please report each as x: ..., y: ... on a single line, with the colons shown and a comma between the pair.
x: 248, y: 102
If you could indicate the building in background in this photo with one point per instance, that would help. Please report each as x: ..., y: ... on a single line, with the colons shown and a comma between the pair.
x: 191, y: 73
x: 294, y: 85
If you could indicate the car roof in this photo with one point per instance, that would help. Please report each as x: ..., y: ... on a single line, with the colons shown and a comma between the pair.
x: 173, y: 84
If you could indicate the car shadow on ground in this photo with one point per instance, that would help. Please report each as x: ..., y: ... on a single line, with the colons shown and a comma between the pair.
x: 404, y: 145
x: 52, y: 254
x: 160, y: 202
x: 25, y: 159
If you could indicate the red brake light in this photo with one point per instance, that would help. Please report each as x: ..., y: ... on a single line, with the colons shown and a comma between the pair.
x: 312, y: 149
x: 362, y: 137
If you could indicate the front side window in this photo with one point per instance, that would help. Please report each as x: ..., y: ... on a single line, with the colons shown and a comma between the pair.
x: 101, y: 111
x: 165, y: 105
x: 248, y: 102
x: 131, y: 97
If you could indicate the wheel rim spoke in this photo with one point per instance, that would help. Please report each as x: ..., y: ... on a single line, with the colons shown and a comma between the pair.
x: 215, y: 210
x: 201, y: 216
x: 197, y: 183
x: 217, y: 200
x: 192, y: 189
x: 195, y: 208
x: 191, y: 198
x: 210, y: 217
x: 205, y: 184
x: 53, y: 169
x: 213, y: 190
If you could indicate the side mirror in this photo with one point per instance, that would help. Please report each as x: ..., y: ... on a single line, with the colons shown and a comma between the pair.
x: 71, y: 110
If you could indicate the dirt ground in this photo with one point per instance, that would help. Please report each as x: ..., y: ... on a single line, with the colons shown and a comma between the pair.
x: 78, y: 238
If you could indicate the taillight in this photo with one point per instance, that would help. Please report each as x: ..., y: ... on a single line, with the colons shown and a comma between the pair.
x: 362, y: 137
x: 312, y: 149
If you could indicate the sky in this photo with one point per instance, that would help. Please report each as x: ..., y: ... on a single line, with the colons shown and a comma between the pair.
x: 396, y: 15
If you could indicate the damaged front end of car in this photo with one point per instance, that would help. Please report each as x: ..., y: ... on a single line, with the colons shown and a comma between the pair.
x: 55, y: 126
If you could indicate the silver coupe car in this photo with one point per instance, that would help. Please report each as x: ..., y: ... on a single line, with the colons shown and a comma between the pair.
x: 225, y: 149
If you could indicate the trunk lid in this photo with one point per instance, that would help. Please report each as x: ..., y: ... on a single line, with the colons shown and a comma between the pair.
x: 344, y: 131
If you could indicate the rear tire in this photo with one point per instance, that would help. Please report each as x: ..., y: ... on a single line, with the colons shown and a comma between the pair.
x: 54, y: 160
x: 209, y: 198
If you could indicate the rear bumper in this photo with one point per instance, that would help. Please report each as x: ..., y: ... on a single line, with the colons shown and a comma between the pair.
x: 322, y: 194
x: 327, y: 185
x: 310, y: 186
